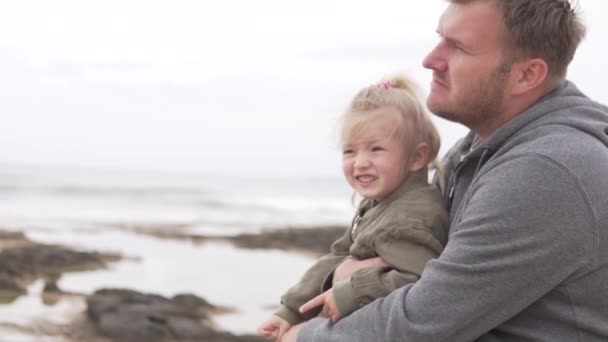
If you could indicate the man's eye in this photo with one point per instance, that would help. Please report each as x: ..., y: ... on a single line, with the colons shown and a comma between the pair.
x: 455, y: 46
x: 460, y: 48
x: 377, y: 149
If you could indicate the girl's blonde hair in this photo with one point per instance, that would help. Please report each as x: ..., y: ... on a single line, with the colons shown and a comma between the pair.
x: 398, y: 96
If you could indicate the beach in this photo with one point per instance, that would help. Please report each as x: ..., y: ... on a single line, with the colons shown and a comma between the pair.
x: 163, y: 235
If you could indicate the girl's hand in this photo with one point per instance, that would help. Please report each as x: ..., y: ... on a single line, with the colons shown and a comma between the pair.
x: 274, y: 328
x: 330, y: 308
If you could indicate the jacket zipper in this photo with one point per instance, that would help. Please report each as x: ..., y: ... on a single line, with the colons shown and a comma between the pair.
x: 452, y: 182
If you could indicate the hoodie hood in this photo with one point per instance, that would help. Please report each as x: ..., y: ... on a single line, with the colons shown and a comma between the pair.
x: 565, y: 106
x: 555, y: 108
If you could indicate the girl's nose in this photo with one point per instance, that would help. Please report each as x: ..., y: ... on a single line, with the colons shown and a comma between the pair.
x: 361, y: 161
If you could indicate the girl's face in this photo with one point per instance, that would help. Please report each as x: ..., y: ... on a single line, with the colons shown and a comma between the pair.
x: 375, y: 161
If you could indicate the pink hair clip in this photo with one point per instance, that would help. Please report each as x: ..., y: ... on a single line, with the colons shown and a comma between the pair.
x: 384, y: 84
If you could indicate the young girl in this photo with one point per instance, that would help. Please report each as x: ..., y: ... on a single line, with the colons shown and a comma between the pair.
x: 388, y: 142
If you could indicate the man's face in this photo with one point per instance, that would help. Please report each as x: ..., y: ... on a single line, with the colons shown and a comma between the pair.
x: 468, y: 73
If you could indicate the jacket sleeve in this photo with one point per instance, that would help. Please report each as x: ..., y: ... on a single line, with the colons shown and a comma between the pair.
x: 406, y: 250
x: 309, y: 285
x: 527, y: 228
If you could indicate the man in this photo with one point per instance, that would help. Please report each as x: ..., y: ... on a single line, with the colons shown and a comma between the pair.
x: 527, y: 255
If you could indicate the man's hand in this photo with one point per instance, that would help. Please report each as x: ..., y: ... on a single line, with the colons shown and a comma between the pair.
x: 292, y: 334
x: 330, y: 308
x: 350, y: 265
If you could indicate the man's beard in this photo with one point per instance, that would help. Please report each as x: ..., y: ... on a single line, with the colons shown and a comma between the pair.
x: 481, y: 105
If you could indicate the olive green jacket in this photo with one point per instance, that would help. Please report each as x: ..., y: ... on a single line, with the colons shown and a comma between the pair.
x: 407, y: 229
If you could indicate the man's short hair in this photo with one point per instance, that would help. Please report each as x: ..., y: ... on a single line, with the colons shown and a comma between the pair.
x: 547, y: 29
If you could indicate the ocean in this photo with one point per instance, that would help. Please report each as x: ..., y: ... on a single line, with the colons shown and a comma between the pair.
x: 206, y: 203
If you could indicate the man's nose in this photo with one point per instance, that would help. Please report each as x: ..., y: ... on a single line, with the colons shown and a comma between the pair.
x: 436, y: 60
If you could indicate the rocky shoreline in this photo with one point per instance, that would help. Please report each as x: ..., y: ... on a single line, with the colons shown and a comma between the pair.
x: 124, y: 314
x: 22, y: 261
x: 307, y: 240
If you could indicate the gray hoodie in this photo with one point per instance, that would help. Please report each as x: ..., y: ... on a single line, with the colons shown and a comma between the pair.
x: 527, y: 254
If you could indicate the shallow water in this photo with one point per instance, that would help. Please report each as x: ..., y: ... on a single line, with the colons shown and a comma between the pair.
x: 30, y: 307
x: 250, y: 281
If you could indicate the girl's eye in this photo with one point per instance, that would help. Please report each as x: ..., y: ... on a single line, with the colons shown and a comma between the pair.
x: 377, y: 149
x: 347, y: 152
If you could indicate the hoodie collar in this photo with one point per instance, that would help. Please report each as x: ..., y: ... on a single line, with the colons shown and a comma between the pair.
x: 545, y: 105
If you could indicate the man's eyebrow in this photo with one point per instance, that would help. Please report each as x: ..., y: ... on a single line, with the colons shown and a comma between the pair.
x: 450, y: 39
x: 455, y: 42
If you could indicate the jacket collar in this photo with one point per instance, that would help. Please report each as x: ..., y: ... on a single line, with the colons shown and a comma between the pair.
x: 413, y: 180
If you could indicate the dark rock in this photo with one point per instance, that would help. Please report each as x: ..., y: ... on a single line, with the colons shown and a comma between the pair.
x: 317, y: 240
x: 191, y: 301
x: 50, y: 283
x: 127, y: 326
x: 45, y: 259
x: 185, y: 328
x: 22, y: 261
x: 9, y: 283
x: 127, y: 315
x: 9, y: 288
x: 9, y: 235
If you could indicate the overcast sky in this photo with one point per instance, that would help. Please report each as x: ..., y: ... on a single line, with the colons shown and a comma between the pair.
x: 234, y: 87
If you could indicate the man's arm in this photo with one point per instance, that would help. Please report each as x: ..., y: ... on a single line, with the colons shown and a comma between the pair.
x: 405, y: 250
x: 526, y: 229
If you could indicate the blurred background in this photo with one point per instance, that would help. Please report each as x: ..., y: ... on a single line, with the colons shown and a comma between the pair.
x: 215, y: 117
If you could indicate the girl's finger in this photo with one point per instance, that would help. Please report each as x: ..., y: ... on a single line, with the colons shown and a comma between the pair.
x: 313, y: 303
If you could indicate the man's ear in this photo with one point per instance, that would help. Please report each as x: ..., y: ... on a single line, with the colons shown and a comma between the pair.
x: 529, y: 75
x: 419, y: 157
